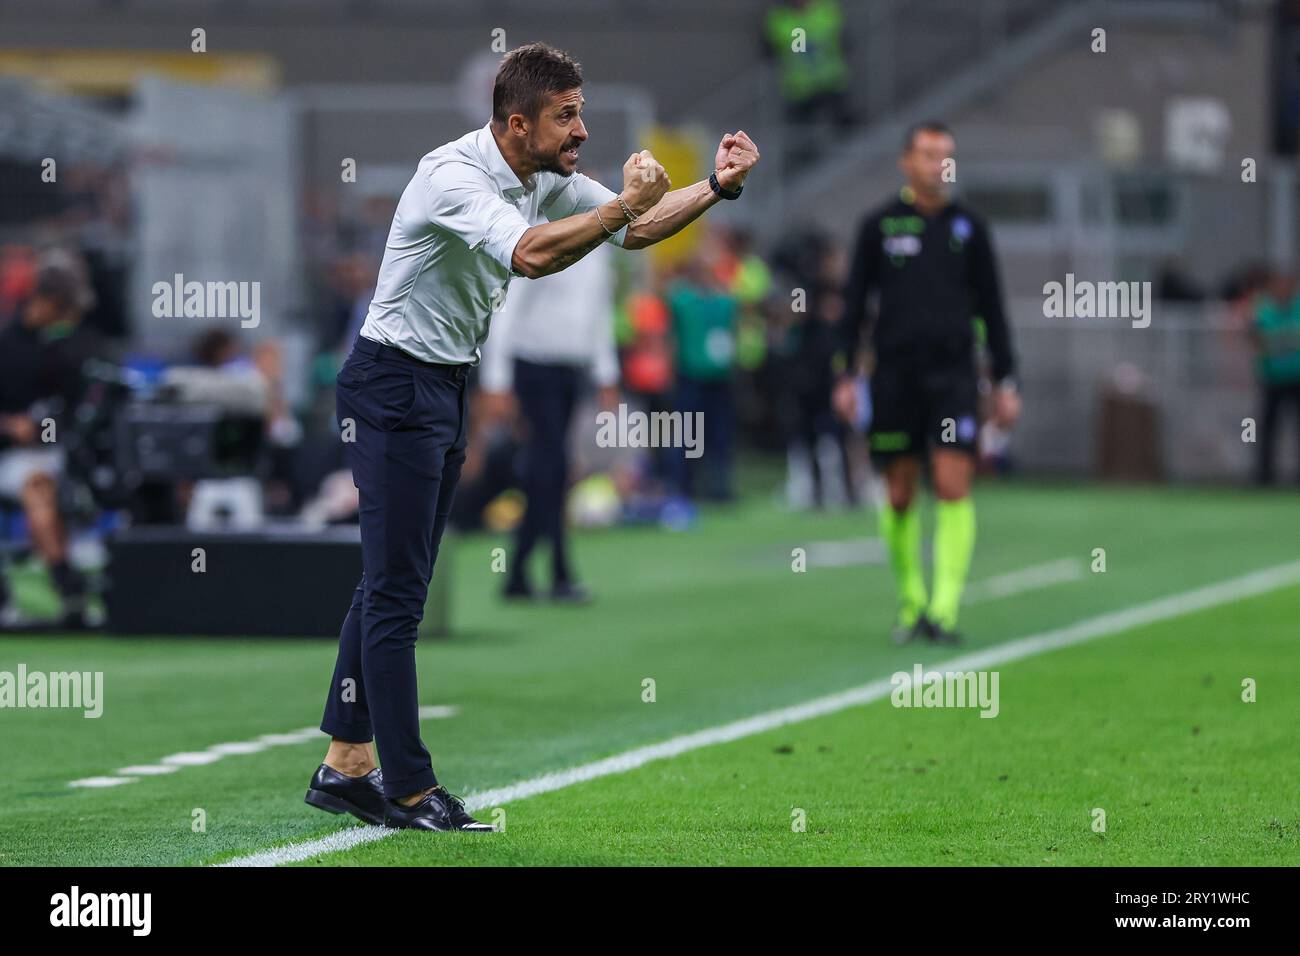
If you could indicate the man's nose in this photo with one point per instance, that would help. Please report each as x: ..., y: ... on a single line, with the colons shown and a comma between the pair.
x: 580, y: 132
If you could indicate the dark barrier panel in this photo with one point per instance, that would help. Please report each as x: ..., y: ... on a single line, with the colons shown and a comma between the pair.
x: 291, y: 584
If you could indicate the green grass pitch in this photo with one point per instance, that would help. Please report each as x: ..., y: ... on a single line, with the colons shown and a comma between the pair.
x: 1146, y: 724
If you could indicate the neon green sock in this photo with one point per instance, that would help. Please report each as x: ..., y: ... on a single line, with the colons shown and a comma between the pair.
x: 901, y: 532
x: 954, y: 540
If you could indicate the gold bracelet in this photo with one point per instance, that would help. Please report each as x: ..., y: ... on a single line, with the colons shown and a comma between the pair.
x: 631, y: 217
x: 596, y: 210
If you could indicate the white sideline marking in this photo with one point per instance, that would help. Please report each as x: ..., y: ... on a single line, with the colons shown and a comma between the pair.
x: 1176, y: 605
x: 845, y: 553
x: 100, y: 782
x: 198, y: 758
x: 857, y: 551
x: 1031, y: 578
x: 147, y: 770
x: 238, y: 748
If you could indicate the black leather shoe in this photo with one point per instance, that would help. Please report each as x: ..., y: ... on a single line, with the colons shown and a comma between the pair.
x: 436, y: 810
x: 335, y: 792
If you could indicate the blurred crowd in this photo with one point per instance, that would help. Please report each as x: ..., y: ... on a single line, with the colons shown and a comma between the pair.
x: 96, y: 433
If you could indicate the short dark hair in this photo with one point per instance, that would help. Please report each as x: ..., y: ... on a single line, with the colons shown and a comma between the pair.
x: 213, y: 346
x: 58, y: 280
x: 529, y: 74
x: 925, y: 126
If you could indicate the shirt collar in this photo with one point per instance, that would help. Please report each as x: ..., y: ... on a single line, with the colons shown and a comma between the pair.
x: 908, y: 199
x: 499, y: 169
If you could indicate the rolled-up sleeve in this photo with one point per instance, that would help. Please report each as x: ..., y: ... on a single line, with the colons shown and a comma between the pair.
x: 579, y: 194
x: 460, y: 200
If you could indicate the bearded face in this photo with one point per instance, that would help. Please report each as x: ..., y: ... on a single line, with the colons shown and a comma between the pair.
x: 555, y: 139
x: 556, y: 157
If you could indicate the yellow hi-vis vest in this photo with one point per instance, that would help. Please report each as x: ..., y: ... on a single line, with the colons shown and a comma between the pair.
x: 819, y: 67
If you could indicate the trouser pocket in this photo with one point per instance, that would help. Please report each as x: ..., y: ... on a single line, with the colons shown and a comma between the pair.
x: 384, y: 395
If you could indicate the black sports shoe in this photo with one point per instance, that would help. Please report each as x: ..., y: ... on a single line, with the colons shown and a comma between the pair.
x: 938, y: 634
x: 436, y: 810
x: 335, y: 792
x: 569, y: 593
x: 518, y: 590
x: 906, y: 633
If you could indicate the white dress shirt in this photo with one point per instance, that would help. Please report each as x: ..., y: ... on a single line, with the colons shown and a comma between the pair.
x: 566, y: 318
x: 447, y: 261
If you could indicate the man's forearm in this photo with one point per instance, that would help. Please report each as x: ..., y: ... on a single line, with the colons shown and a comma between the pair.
x: 554, y: 246
x: 677, y: 210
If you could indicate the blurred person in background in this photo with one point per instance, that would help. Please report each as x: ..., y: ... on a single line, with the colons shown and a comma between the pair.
x: 217, y: 349
x: 261, y: 369
x: 42, y: 351
x: 931, y: 261
x: 1277, y: 333
x: 488, y: 494
x: 812, y: 65
x: 818, y: 468
x: 704, y: 313
x: 648, y: 363
x: 549, y: 336
x: 17, y: 278
x: 97, y: 212
x: 351, y: 279
x: 747, y: 275
x: 285, y: 491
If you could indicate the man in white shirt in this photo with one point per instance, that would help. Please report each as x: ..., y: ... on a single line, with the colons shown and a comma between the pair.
x: 552, y: 334
x: 505, y: 200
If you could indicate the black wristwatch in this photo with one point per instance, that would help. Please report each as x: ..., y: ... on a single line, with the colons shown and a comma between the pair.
x: 724, y: 193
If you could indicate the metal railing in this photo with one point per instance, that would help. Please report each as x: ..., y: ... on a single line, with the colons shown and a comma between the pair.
x: 1193, y: 366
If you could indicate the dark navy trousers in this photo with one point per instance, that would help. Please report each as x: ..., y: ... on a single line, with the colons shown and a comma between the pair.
x: 406, y: 423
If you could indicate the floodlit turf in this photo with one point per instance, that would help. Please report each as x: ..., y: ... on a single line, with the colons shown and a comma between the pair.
x: 1147, y: 724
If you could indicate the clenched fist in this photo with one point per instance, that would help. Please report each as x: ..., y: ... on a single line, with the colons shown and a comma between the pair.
x: 737, y: 155
x: 644, y: 181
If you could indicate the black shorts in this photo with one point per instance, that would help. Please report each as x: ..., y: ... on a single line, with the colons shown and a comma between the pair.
x: 916, y: 405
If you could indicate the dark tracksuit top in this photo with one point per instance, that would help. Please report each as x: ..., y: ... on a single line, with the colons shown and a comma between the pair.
x: 935, y: 275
